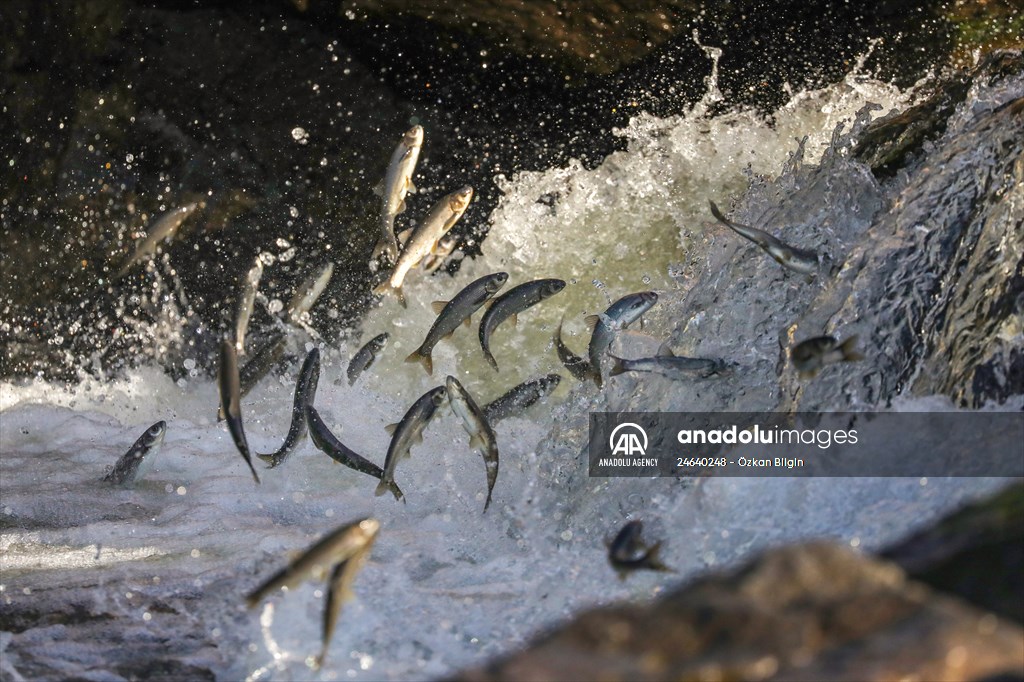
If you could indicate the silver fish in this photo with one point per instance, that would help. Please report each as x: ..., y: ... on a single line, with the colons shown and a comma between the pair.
x: 397, y: 184
x: 250, y: 285
x: 521, y: 398
x: 165, y: 227
x: 627, y: 552
x: 134, y: 463
x: 229, y: 401
x: 339, y: 591
x: 306, y: 295
x: 340, y: 545
x: 409, y: 431
x: 577, y: 366
x: 326, y: 442
x: 811, y: 355
x: 366, y: 356
x: 623, y: 312
x: 669, y: 364
x: 424, y: 239
x: 305, y: 393
x: 797, y: 260
x: 441, y: 252
x: 455, y: 312
x: 481, y: 435
x: 261, y: 362
x: 510, y: 304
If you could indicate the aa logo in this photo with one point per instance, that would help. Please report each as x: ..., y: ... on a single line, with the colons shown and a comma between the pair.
x: 628, y: 439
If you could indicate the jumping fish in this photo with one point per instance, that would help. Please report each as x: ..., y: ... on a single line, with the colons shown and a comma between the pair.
x: 811, y: 355
x: 305, y: 296
x: 326, y: 442
x: 521, y: 397
x: 455, y: 312
x: 669, y: 364
x: 366, y: 356
x: 339, y: 591
x: 229, y: 400
x: 397, y: 184
x: 250, y: 285
x: 577, y: 366
x: 134, y: 463
x: 481, y: 435
x: 797, y: 260
x: 409, y: 431
x: 305, y: 392
x: 163, y: 229
x: 261, y: 362
x: 424, y: 239
x: 623, y: 312
x: 440, y: 253
x: 510, y: 304
x: 627, y: 552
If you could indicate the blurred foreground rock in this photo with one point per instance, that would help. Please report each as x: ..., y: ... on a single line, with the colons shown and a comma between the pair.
x: 807, y: 612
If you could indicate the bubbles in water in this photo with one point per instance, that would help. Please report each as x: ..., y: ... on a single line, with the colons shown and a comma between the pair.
x: 300, y: 135
x: 275, y: 306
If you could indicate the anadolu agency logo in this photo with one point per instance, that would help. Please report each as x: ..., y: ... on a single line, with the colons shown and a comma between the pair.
x: 628, y: 439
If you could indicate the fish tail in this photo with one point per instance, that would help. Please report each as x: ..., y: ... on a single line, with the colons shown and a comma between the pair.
x: 396, y: 491
x: 271, y: 460
x: 423, y: 359
x: 487, y: 502
x: 255, y: 476
x: 653, y: 559
x: 490, y: 358
x: 617, y: 368
x: 850, y: 353
x: 386, y: 246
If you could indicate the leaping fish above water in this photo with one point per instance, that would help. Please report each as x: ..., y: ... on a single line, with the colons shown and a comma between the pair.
x: 397, y: 184
x: 165, y: 227
x: 327, y: 443
x: 577, y: 366
x: 342, y: 552
x: 521, y: 397
x: 455, y: 312
x: 627, y: 552
x: 481, y: 435
x: 408, y: 432
x: 365, y: 357
x: 266, y: 356
x: 667, y: 363
x: 510, y: 304
x: 250, y: 285
x: 440, y: 253
x: 134, y: 463
x: 797, y: 260
x: 230, y: 401
x: 305, y: 392
x: 306, y: 296
x: 424, y: 239
x: 623, y: 312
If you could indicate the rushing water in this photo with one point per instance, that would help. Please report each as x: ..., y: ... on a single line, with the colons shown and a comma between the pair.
x: 99, y: 578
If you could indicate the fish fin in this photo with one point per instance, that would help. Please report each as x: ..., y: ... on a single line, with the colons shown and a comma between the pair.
x: 401, y: 207
x: 269, y: 459
x: 390, y: 428
x: 664, y: 351
x: 592, y: 321
x: 397, y: 492
x: 617, y: 368
x: 850, y: 353
x: 381, y: 489
x: 475, y: 441
x: 438, y: 306
x: 514, y: 318
x: 653, y: 559
x: 401, y: 296
x: 641, y: 322
x: 387, y: 248
x: 378, y: 189
x: 220, y: 414
x: 715, y: 212
x: 490, y: 359
x: 410, y: 186
x: 404, y: 235
x: 417, y: 439
x: 468, y: 322
x: 425, y: 360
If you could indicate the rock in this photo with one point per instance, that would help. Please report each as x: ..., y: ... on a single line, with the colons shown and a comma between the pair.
x: 807, y: 612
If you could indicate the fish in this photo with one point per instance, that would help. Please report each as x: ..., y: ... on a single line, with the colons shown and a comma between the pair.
x: 229, y: 400
x: 510, y: 304
x: 261, y: 362
x: 306, y: 295
x: 792, y: 258
x: 339, y: 591
x: 397, y: 184
x: 164, y: 229
x: 424, y: 238
x: 337, y: 546
x: 481, y: 435
x: 811, y: 355
x: 305, y: 392
x: 627, y: 552
x: 409, y: 431
x: 250, y: 285
x: 623, y: 312
x: 577, y: 366
x: 669, y: 364
x: 326, y: 442
x: 134, y: 463
x: 437, y: 257
x: 366, y: 356
x: 450, y: 314
x: 521, y: 397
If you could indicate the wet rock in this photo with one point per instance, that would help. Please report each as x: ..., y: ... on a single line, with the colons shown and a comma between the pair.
x: 976, y: 554
x: 807, y: 612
